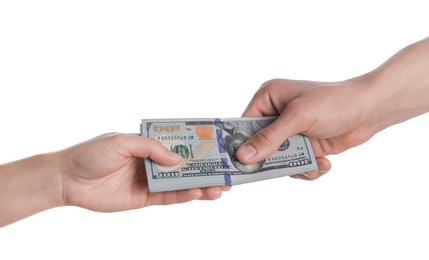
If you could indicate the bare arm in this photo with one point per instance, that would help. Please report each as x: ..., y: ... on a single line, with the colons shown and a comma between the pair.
x: 29, y: 186
x: 340, y: 115
x: 106, y: 173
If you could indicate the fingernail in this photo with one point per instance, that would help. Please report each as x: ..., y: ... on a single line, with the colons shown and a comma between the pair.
x: 304, y: 174
x: 247, y: 151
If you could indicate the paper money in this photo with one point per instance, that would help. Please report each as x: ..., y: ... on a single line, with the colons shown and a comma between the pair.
x: 208, y: 147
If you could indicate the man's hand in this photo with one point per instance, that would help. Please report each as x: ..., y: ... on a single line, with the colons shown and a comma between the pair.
x: 334, y: 116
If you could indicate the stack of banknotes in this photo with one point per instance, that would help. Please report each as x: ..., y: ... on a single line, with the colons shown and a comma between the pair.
x: 208, y: 147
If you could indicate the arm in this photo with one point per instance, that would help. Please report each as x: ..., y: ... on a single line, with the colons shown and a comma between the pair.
x: 400, y: 86
x: 106, y: 174
x: 29, y: 186
x: 340, y: 115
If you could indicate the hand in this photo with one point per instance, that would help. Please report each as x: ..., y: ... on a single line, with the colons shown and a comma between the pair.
x: 107, y: 173
x: 334, y: 115
x: 338, y: 116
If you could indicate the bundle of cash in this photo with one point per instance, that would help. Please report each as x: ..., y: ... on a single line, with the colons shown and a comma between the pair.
x: 208, y: 149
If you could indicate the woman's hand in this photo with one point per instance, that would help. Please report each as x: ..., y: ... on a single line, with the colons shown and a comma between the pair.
x: 107, y: 173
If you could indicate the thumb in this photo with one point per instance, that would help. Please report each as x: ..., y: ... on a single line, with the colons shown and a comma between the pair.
x: 143, y: 147
x: 267, y: 140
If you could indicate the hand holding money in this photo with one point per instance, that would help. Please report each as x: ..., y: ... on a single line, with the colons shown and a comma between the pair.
x: 208, y: 148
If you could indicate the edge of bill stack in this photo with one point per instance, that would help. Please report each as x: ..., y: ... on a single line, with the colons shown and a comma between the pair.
x: 208, y: 146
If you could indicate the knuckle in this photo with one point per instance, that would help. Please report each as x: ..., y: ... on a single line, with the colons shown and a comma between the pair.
x: 271, y: 84
x: 155, y: 146
x: 154, y: 143
x: 115, y: 137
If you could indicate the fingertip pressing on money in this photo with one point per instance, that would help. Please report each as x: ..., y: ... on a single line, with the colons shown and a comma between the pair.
x: 210, y: 147
x: 246, y: 152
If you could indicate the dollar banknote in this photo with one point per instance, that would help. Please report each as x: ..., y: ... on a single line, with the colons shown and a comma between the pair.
x: 208, y: 147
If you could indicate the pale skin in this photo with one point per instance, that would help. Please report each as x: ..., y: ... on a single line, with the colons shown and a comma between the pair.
x: 340, y: 115
x: 105, y: 174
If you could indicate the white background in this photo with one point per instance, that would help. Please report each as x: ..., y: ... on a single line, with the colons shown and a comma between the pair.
x: 71, y: 70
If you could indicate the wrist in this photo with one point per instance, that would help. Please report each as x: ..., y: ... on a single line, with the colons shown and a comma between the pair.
x: 398, y: 90
x: 52, y: 180
x: 29, y: 186
x: 363, y: 105
x: 378, y: 100
x: 40, y: 181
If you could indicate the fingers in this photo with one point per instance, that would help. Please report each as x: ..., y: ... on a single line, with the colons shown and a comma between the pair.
x: 173, y: 197
x: 212, y: 193
x: 270, y: 98
x: 260, y: 105
x: 324, y: 166
x: 141, y: 147
x: 269, y: 139
x: 275, y: 97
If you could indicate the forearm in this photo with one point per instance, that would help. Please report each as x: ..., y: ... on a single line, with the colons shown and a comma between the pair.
x: 399, y: 88
x: 29, y: 186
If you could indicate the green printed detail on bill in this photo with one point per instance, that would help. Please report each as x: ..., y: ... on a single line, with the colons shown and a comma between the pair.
x: 208, y: 147
x: 181, y: 150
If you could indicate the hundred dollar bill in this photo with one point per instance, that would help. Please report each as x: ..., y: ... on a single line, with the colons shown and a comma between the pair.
x: 208, y: 149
